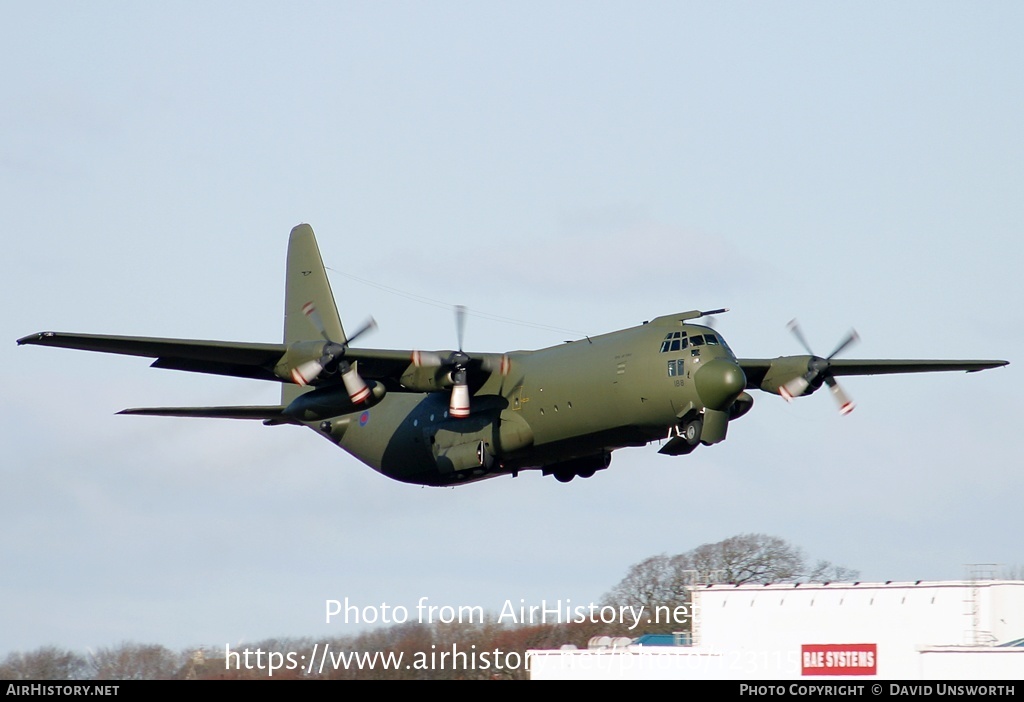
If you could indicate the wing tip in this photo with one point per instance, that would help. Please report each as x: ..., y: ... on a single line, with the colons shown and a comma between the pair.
x: 36, y: 338
x: 989, y: 365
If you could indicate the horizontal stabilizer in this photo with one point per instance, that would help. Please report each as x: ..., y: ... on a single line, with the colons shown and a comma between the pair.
x: 271, y: 414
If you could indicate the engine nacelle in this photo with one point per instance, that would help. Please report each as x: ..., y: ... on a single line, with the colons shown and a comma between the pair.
x: 426, y: 378
x: 331, y: 401
x: 299, y: 353
x: 783, y: 370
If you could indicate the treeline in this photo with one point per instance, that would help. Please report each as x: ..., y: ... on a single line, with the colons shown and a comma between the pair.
x: 410, y: 651
x: 438, y: 651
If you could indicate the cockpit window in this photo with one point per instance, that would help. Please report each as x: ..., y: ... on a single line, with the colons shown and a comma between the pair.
x: 674, y: 341
x: 679, y: 341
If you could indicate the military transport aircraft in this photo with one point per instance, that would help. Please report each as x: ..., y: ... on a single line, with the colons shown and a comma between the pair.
x: 451, y: 417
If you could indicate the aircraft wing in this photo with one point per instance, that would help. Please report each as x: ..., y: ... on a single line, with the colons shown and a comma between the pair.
x: 397, y: 370
x: 769, y: 373
x: 884, y: 367
x: 876, y: 366
x: 243, y: 360
x: 755, y: 366
x: 385, y: 365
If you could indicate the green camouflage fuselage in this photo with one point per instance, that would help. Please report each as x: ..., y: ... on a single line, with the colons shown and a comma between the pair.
x: 570, y: 404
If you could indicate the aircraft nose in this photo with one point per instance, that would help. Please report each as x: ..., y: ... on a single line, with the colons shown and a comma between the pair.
x: 719, y: 383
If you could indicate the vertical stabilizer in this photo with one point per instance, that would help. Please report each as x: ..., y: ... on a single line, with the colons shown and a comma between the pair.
x: 305, y: 282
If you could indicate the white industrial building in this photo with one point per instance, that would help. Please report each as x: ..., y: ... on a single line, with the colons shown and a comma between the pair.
x: 950, y: 630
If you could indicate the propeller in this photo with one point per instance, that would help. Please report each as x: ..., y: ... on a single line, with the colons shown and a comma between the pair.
x: 819, y: 368
x: 457, y: 364
x: 460, y: 324
x: 458, y: 406
x: 306, y: 373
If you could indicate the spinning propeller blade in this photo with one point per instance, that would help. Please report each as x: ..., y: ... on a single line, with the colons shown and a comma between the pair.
x: 460, y: 323
x: 457, y: 364
x: 306, y: 373
x: 819, y: 368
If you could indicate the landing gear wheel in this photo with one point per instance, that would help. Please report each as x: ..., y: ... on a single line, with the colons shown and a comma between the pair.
x: 586, y: 474
x: 564, y: 476
x: 692, y: 430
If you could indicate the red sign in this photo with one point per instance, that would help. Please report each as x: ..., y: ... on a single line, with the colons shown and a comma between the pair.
x: 839, y: 659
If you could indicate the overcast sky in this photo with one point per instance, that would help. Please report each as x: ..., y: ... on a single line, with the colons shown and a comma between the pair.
x: 578, y: 165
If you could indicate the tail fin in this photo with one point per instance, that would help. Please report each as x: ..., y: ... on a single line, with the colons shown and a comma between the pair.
x: 305, y: 282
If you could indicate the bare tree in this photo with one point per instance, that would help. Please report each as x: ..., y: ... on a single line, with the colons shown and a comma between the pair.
x: 749, y: 558
x: 665, y: 581
x: 655, y: 581
x: 1012, y: 572
x: 133, y: 661
x: 827, y: 572
x: 46, y: 663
